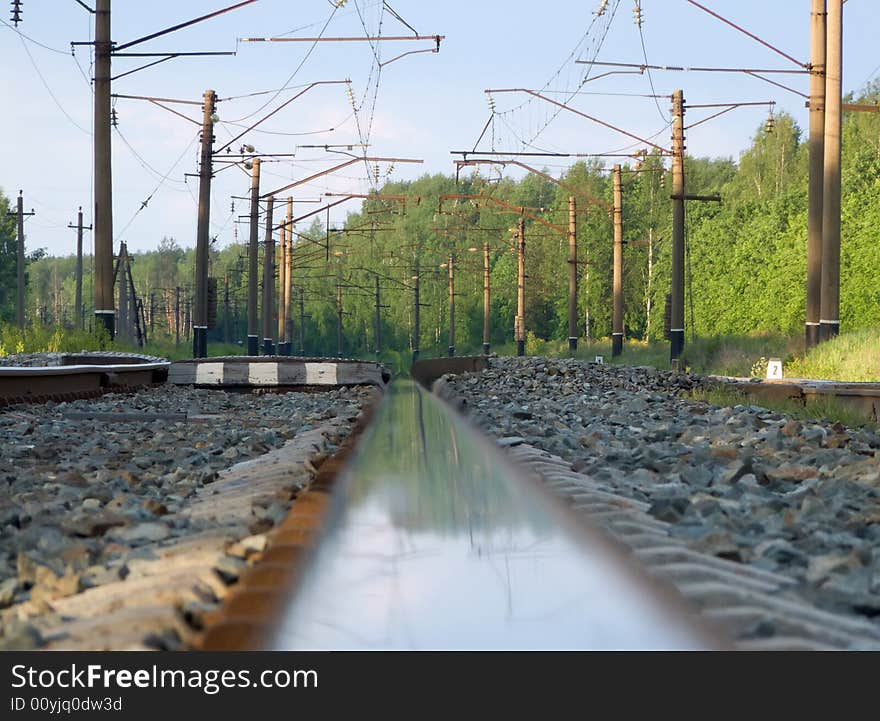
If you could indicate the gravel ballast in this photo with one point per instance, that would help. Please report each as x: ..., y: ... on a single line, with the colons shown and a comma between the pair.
x: 92, y: 488
x: 742, y: 483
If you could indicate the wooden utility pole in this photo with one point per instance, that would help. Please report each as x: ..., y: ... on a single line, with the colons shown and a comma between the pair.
x: 451, y: 350
x: 200, y: 321
x: 268, y: 280
x: 152, y: 312
x: 122, y: 326
x: 617, y: 283
x: 78, y: 302
x: 829, y: 321
x: 486, y: 299
x: 288, y: 286
x: 103, y: 216
x: 417, y: 330
x: 572, y: 275
x: 253, y: 260
x: 816, y: 179
x: 519, y: 327
x: 676, y: 332
x: 135, y: 307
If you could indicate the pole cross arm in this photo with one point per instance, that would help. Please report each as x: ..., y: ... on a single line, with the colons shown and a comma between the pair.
x: 661, y: 149
x: 714, y: 198
x: 517, y: 209
x: 459, y: 164
x: 346, y: 164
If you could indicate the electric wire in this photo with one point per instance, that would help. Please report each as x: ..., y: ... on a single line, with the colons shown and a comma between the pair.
x: 49, y: 90
x: 30, y: 39
x: 664, y: 116
x: 161, y: 182
x: 295, y: 71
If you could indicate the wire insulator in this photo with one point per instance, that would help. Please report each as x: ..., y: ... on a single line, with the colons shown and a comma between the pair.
x: 16, y: 12
x: 602, y: 7
x: 637, y: 13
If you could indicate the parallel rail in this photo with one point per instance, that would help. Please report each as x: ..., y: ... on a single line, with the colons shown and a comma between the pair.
x: 863, y: 398
x: 89, y: 377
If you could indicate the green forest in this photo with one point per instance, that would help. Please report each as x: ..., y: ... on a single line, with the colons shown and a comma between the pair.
x: 745, y: 267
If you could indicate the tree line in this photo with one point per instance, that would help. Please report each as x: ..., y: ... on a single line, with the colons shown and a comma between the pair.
x: 745, y: 264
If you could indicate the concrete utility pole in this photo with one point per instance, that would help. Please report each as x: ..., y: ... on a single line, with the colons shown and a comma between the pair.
x: 77, y: 303
x: 288, y: 285
x: 451, y: 306
x: 226, y: 336
x: 486, y: 298
x: 617, y: 283
x: 830, y: 295
x: 417, y: 330
x: 177, y: 315
x: 105, y: 311
x: 378, y: 319
x: 19, y: 254
x: 817, y: 164
x: 572, y: 275
x: 338, y: 319
x: 268, y: 280
x: 282, y: 284
x: 302, y: 322
x: 676, y: 332
x: 200, y: 321
x: 187, y: 316
x: 253, y: 260
x: 519, y: 328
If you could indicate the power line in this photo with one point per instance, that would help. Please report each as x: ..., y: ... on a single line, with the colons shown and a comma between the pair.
x: 49, y: 90
x: 295, y: 71
x: 30, y: 39
x: 161, y: 182
x: 650, y: 78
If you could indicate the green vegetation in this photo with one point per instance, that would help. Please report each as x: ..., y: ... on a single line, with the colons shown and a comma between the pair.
x: 828, y: 409
x: 745, y: 264
x: 852, y: 356
x: 41, y: 338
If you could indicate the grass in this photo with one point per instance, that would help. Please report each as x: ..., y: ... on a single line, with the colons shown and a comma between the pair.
x: 828, y: 409
x: 853, y: 356
x: 48, y: 339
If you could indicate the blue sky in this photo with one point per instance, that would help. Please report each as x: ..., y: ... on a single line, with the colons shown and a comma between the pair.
x: 427, y: 104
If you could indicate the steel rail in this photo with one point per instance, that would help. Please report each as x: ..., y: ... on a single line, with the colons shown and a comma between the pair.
x: 431, y: 540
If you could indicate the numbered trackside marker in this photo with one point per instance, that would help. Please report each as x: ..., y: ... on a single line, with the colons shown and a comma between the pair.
x: 774, y: 369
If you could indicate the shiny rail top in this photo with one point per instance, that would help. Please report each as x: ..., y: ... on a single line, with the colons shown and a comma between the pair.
x: 435, y: 542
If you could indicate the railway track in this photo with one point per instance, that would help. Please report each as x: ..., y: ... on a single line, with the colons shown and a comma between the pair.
x: 394, y: 525
x: 79, y: 375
